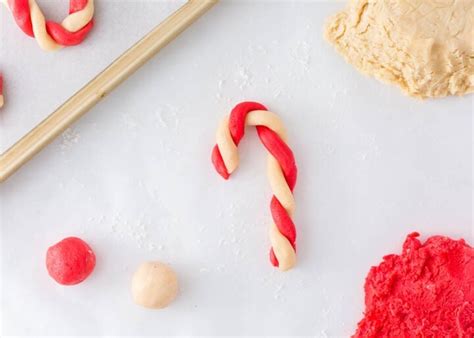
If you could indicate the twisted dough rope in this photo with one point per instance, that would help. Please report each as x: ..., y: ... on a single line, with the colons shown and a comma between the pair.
x: 282, y: 171
x: 51, y: 35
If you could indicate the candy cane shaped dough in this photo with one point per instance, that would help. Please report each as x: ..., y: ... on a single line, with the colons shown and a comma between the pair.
x: 50, y: 35
x: 282, y: 171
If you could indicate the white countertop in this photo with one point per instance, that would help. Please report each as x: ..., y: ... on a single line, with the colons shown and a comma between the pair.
x: 134, y: 179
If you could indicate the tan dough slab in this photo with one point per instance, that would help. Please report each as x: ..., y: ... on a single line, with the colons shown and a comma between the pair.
x: 423, y: 46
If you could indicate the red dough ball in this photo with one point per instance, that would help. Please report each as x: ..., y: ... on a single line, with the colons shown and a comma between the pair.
x: 70, y: 261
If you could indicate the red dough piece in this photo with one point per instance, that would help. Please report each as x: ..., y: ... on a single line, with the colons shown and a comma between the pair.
x: 279, y: 149
x: 427, y: 291
x: 21, y: 12
x: 281, y: 152
x: 70, y: 261
x: 65, y: 37
x: 219, y: 163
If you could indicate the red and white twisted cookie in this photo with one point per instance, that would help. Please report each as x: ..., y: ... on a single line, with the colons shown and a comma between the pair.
x: 52, y: 35
x: 282, y: 171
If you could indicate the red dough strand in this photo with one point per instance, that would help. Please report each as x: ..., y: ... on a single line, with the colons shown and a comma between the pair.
x: 21, y: 13
x: 219, y: 163
x: 278, y: 149
x: 65, y: 37
x: 281, y: 152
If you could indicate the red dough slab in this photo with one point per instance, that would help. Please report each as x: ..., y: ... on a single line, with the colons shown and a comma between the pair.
x: 427, y: 291
x: 21, y: 12
x: 70, y: 261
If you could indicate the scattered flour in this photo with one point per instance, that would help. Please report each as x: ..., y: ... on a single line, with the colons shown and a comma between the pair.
x: 243, y: 78
x: 129, y: 122
x: 369, y: 147
x: 220, y: 84
x: 302, y: 54
x: 125, y: 229
x: 69, y: 138
x: 167, y: 117
x: 278, y: 294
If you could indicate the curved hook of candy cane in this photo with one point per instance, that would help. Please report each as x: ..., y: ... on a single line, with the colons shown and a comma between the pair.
x: 78, y: 19
x: 45, y: 41
x: 283, y: 252
x: 50, y: 35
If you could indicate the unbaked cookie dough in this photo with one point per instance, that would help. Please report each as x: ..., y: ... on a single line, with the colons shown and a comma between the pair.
x: 51, y: 35
x: 154, y: 285
x: 70, y: 261
x: 426, y: 291
x: 282, y: 171
x: 423, y: 46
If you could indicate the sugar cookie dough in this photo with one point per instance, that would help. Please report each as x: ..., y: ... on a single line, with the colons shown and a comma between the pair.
x: 70, y: 261
x: 154, y: 285
x: 51, y: 35
x: 282, y: 171
x: 426, y: 291
x: 423, y: 46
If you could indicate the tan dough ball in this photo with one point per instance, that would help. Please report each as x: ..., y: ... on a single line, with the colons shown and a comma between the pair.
x: 154, y: 285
